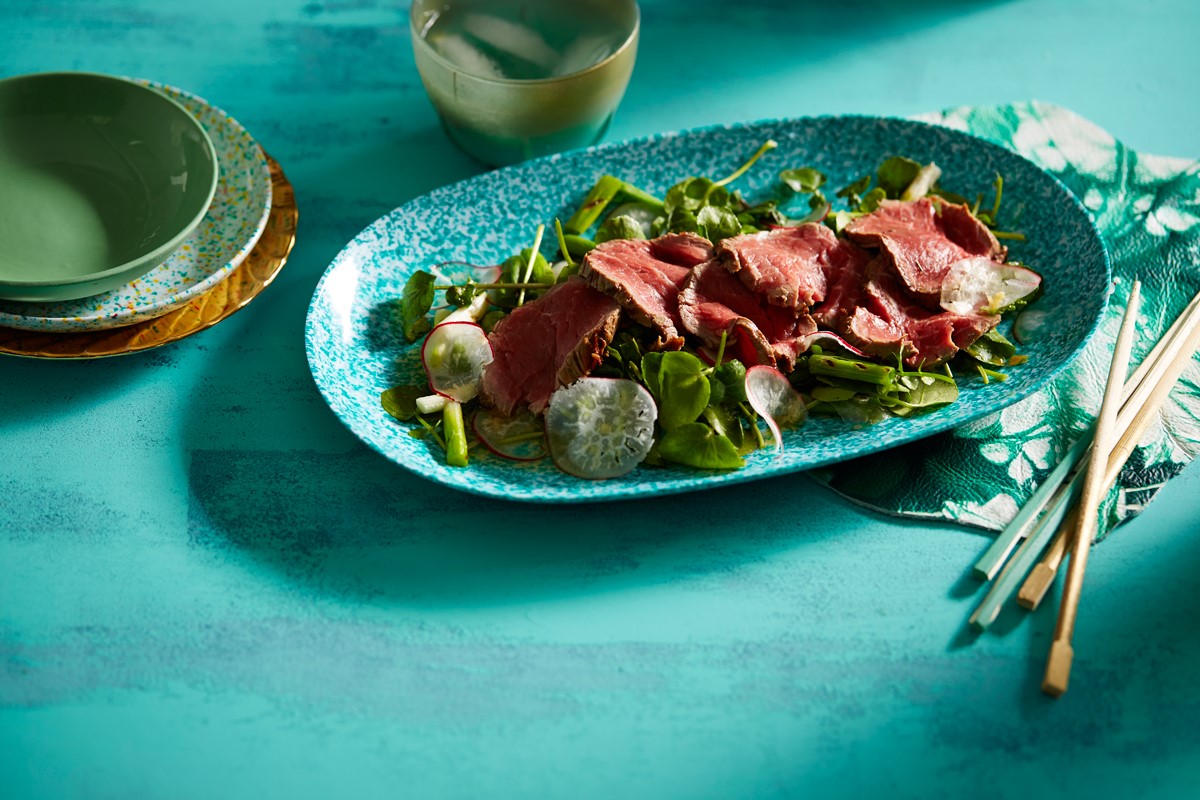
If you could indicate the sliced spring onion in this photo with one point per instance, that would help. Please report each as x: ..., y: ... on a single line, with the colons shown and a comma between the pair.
x: 927, y: 176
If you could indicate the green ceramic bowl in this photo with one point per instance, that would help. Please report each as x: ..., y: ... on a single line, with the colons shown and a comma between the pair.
x: 100, y: 181
x: 502, y: 121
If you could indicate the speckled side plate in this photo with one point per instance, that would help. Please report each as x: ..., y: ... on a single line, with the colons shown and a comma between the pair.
x: 355, y: 353
x: 228, y: 232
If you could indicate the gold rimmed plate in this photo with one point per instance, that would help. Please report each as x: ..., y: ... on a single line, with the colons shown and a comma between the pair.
x: 200, y: 313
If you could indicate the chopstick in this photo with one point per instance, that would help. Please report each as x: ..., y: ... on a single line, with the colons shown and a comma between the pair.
x: 1014, y: 571
x: 1167, y: 362
x: 1058, y: 663
x: 1023, y: 523
x: 1041, y: 577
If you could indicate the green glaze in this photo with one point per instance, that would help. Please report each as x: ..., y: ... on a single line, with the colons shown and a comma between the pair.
x: 500, y: 121
x: 103, y: 179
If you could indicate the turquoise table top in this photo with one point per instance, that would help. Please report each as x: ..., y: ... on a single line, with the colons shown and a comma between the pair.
x: 209, y: 588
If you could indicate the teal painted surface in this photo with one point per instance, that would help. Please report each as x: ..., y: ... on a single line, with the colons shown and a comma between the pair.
x: 208, y: 587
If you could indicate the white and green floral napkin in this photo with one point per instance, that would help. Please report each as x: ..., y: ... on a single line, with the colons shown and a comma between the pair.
x: 1148, y: 210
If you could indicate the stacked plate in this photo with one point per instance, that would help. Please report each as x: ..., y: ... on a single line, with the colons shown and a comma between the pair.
x: 164, y: 237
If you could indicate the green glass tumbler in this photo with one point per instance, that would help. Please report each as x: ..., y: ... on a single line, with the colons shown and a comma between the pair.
x: 500, y: 120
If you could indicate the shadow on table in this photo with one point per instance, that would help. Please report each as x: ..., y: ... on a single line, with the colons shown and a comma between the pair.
x: 53, y: 389
x: 354, y: 523
x: 339, y: 519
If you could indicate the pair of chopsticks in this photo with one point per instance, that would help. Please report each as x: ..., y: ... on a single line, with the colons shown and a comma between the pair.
x: 1047, y: 518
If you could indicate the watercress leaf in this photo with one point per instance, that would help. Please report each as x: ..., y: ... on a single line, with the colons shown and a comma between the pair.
x: 732, y: 375
x: 415, y: 304
x: 541, y: 273
x: 651, y: 370
x: 698, y: 445
x: 871, y: 200
x: 696, y: 192
x: 859, y: 410
x: 622, y: 227
x: 683, y: 389
x: 725, y: 423
x: 896, y: 174
x: 720, y: 197
x: 401, y: 401
x: 630, y: 350
x: 832, y: 394
x: 817, y: 201
x: 992, y: 348
x: 717, y: 223
x: 682, y: 221
x: 640, y: 213
x: 762, y: 215
x: 930, y: 395
x: 852, y: 191
x: 513, y: 271
x: 716, y: 393
x: 802, y: 180
x: 688, y: 195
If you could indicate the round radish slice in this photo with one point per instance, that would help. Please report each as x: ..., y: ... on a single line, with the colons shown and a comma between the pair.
x: 519, y: 437
x: 773, y: 398
x: 454, y: 355
x: 600, y: 427
x: 981, y: 286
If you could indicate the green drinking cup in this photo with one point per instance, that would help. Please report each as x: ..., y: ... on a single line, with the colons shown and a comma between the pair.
x: 502, y: 116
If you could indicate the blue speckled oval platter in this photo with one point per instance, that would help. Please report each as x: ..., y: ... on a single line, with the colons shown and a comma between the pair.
x: 354, y: 353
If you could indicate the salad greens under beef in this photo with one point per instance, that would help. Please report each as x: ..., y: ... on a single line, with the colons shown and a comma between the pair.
x: 691, y: 329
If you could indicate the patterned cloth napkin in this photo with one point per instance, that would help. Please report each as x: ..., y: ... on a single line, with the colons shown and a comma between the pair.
x: 1148, y: 211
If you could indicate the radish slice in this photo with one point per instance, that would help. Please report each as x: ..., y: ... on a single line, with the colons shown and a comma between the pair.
x: 600, y: 427
x: 773, y: 398
x: 826, y: 337
x: 981, y: 286
x: 454, y: 356
x: 511, y: 437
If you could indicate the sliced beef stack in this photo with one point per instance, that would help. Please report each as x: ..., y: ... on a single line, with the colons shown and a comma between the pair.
x: 890, y: 304
x: 548, y: 343
x: 767, y: 292
x: 714, y: 301
x: 884, y: 322
x: 923, y: 244
x: 645, y: 278
x: 759, y: 288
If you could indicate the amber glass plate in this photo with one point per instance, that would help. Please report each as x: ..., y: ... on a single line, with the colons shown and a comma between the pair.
x: 202, y: 312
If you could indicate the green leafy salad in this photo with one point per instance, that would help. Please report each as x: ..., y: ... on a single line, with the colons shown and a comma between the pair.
x: 697, y: 405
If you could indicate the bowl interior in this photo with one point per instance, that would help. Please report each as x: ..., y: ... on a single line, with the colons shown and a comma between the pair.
x: 516, y: 79
x: 97, y: 172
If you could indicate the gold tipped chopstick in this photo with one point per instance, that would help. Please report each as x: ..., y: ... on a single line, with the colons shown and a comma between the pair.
x: 1026, y: 519
x: 1166, y: 363
x: 1058, y: 664
x: 1041, y: 577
